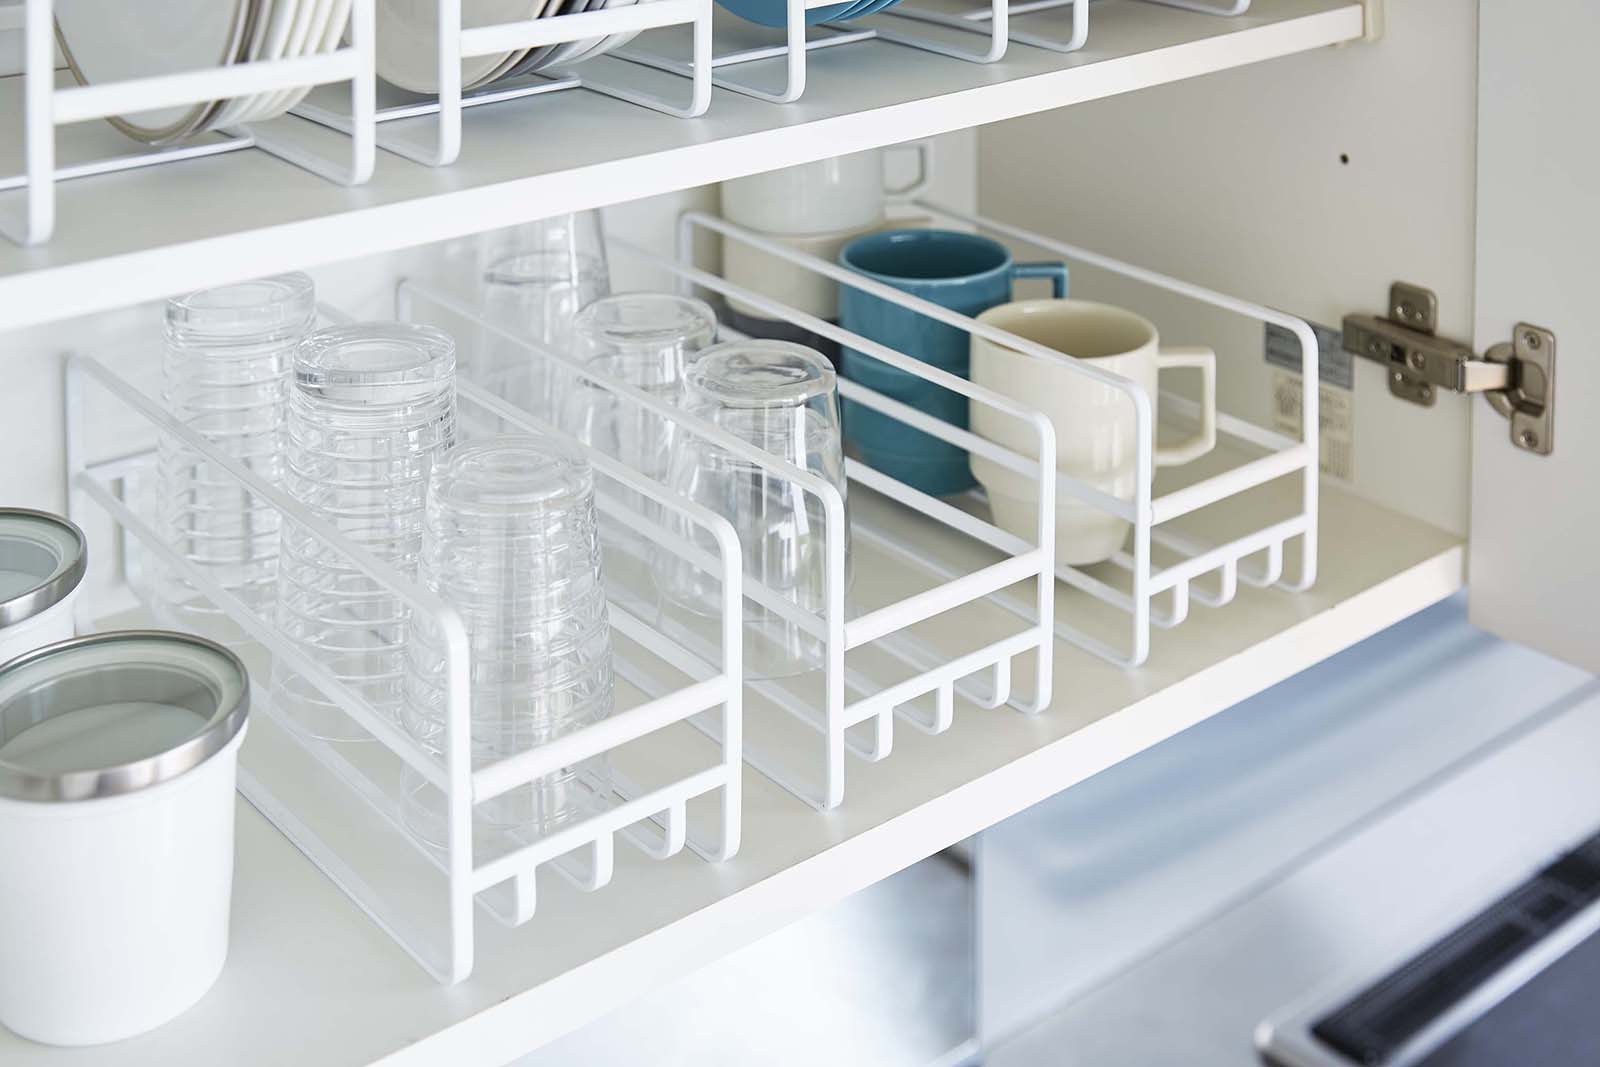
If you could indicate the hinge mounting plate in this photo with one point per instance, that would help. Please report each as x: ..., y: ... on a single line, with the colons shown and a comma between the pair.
x: 1517, y: 377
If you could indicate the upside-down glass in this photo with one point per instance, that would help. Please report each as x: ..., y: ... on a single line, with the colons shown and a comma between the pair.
x: 644, y: 340
x: 535, y: 279
x: 511, y: 543
x: 782, y: 398
x: 225, y: 375
x: 373, y: 407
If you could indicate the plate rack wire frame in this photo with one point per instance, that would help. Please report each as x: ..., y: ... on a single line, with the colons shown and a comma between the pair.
x: 655, y: 821
x: 48, y: 106
x: 973, y: 19
x: 1281, y: 456
x: 458, y: 43
x: 990, y: 20
x: 849, y: 697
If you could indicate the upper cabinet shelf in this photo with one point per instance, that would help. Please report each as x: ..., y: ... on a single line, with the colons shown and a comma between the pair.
x: 126, y: 237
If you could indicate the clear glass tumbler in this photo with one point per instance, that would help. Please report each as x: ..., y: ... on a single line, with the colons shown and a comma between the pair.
x: 225, y: 375
x: 535, y: 279
x: 782, y: 398
x: 511, y: 543
x: 645, y: 340
x: 372, y: 409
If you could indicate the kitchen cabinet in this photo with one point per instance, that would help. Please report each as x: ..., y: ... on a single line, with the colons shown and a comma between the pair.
x: 1275, y: 156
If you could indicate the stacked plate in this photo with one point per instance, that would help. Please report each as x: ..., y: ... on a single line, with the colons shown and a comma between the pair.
x: 408, y: 41
x: 776, y: 12
x: 114, y: 40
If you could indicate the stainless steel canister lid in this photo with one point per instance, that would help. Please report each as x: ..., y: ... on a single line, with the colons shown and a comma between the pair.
x: 115, y: 713
x: 42, y: 559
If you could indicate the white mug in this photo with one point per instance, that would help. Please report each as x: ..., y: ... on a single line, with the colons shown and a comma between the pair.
x: 845, y: 193
x: 1094, y: 422
x: 799, y: 287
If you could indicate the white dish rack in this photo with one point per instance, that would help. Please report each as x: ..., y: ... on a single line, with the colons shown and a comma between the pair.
x: 339, y: 802
x: 47, y: 107
x: 458, y: 43
x: 360, y: 112
x: 795, y: 41
x: 877, y: 666
x: 1132, y: 582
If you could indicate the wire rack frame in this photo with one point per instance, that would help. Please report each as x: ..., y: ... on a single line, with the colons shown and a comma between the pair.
x: 457, y: 43
x: 876, y: 705
x: 973, y: 19
x: 1145, y: 512
x: 990, y: 20
x: 47, y: 107
x: 656, y: 822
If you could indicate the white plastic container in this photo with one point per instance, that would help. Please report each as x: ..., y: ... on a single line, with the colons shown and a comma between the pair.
x: 42, y: 560
x: 117, y: 761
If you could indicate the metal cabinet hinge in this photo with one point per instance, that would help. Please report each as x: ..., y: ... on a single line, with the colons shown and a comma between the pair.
x: 1517, y: 377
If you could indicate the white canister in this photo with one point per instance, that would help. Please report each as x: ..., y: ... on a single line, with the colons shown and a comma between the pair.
x: 42, y: 560
x: 117, y: 761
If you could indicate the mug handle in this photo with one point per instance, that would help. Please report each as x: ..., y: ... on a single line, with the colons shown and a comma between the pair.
x: 1206, y: 438
x: 1056, y: 272
x: 917, y: 185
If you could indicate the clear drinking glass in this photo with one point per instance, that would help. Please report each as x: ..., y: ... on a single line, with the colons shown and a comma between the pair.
x: 511, y: 543
x: 783, y: 398
x: 645, y: 340
x: 373, y: 407
x: 535, y: 279
x: 225, y: 375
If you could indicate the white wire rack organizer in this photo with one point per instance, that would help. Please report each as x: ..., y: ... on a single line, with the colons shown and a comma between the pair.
x: 1134, y: 582
x: 876, y: 664
x: 795, y: 40
x: 47, y: 107
x: 442, y: 145
x: 339, y: 802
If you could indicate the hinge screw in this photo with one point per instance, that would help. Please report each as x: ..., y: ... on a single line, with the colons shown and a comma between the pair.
x: 1528, y: 439
x: 1530, y: 339
x: 1417, y: 360
x: 1397, y: 377
x: 1426, y: 393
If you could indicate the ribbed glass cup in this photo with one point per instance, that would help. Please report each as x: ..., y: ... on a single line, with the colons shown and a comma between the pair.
x: 511, y: 543
x: 535, y: 279
x: 225, y: 375
x: 372, y: 409
x: 782, y: 398
x: 644, y: 340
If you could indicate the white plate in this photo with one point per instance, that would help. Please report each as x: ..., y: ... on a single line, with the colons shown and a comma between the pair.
x: 324, y: 30
x: 408, y: 40
x: 113, y: 40
x: 596, y: 46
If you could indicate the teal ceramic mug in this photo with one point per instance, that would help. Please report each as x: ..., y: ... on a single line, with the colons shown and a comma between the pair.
x: 960, y: 271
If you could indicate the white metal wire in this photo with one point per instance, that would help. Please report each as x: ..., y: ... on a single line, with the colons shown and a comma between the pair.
x: 457, y: 43
x: 1230, y: 562
x: 847, y: 696
x: 654, y: 820
x: 991, y: 20
x: 47, y: 106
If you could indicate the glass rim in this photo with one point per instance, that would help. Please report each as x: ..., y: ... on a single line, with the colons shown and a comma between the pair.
x: 803, y: 374
x: 420, y: 353
x: 695, y: 318
x: 281, y: 300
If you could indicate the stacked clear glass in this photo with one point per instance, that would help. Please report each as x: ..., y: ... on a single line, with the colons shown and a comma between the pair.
x: 535, y: 280
x: 782, y: 398
x: 372, y: 408
x: 225, y: 375
x: 644, y: 340
x: 512, y: 543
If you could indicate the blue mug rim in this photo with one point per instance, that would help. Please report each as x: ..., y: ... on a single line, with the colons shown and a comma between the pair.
x: 920, y: 233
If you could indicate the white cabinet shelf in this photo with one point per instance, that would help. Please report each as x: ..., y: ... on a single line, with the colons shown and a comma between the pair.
x: 127, y: 237
x: 311, y: 980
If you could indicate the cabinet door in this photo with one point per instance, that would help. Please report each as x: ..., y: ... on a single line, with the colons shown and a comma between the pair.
x: 1535, y: 540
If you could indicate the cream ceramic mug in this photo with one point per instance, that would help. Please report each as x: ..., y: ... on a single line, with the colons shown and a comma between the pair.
x: 1094, y: 421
